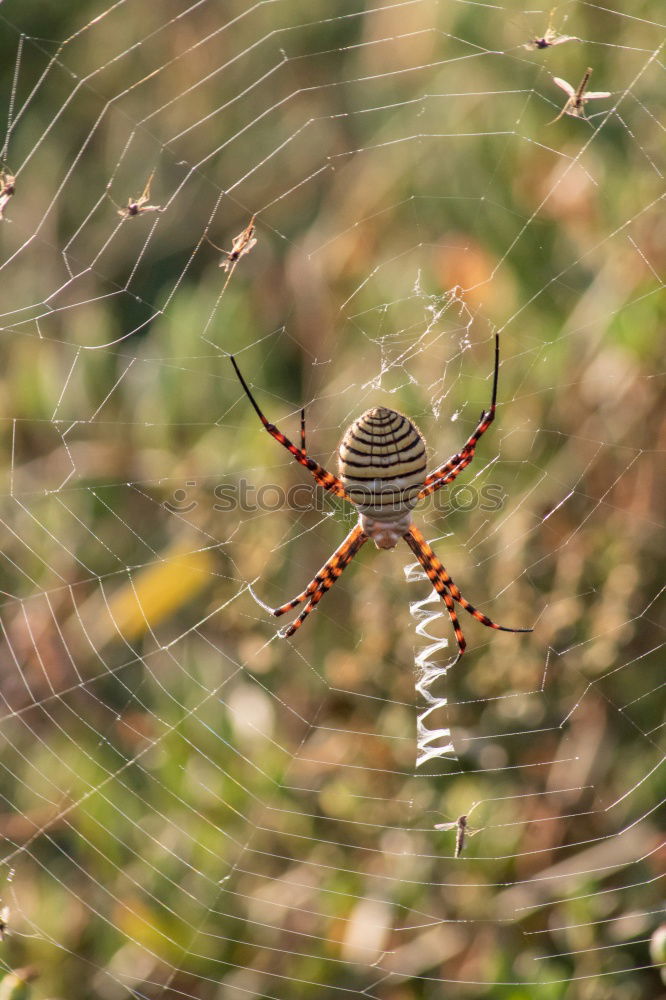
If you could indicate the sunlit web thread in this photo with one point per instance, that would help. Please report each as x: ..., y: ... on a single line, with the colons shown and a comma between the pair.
x: 431, y: 744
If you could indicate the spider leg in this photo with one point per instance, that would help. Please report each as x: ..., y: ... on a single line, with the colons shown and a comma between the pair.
x: 447, y: 589
x: 431, y: 564
x: 324, y: 479
x: 324, y: 579
x: 455, y: 592
x: 447, y: 473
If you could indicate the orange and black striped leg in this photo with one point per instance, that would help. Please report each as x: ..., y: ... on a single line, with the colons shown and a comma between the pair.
x: 447, y: 473
x: 431, y: 564
x: 474, y: 612
x: 324, y: 478
x: 324, y: 579
x: 444, y: 585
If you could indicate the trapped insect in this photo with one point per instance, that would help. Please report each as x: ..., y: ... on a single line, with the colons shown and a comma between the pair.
x: 137, y: 206
x: 549, y: 38
x: 382, y: 465
x: 7, y: 189
x: 240, y: 245
x: 461, y: 826
x: 578, y: 98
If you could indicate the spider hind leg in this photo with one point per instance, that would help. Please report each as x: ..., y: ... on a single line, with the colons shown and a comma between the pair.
x: 322, y: 581
x: 447, y: 589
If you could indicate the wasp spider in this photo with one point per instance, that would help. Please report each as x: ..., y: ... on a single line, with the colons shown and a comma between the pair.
x: 382, y: 464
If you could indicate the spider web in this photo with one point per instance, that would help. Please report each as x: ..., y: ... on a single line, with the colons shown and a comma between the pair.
x: 191, y: 805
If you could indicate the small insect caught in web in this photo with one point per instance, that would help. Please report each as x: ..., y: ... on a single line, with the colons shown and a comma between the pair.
x: 137, y: 206
x: 240, y: 246
x: 549, y: 38
x: 577, y: 97
x: 7, y: 189
x: 463, y: 831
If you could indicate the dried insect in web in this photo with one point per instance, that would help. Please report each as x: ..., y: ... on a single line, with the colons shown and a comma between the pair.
x: 240, y: 246
x: 137, y: 206
x: 549, y: 38
x: 7, y: 189
x: 463, y: 831
x: 578, y: 98
x: 382, y: 464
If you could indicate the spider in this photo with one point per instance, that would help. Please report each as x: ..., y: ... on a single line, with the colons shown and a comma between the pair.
x: 382, y: 464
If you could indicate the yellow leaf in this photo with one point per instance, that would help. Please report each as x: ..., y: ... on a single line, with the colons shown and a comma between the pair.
x: 157, y: 591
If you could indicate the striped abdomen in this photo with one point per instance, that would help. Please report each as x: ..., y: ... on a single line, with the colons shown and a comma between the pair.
x: 382, y: 462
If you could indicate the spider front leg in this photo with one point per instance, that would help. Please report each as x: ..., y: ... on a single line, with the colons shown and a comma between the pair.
x: 447, y: 473
x: 447, y: 589
x: 324, y: 579
x: 322, y: 477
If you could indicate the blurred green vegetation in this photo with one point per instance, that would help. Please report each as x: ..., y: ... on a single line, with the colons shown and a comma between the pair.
x: 189, y: 807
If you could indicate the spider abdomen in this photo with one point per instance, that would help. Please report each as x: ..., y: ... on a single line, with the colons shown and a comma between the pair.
x: 382, y: 462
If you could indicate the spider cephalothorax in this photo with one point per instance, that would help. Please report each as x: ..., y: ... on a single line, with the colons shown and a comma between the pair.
x: 382, y: 464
